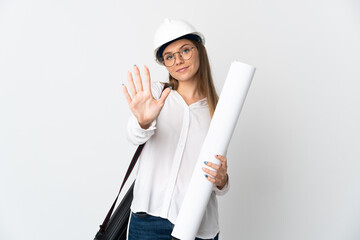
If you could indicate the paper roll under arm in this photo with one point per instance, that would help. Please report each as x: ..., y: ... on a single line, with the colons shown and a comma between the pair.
x: 217, y: 140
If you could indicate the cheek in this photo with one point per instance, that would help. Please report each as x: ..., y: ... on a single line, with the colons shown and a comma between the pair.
x: 171, y: 71
x: 196, y: 66
x: 196, y: 63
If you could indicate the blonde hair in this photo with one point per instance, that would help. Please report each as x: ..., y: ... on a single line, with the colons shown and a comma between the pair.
x: 206, y: 84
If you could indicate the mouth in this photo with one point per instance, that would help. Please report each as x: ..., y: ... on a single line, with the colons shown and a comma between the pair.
x: 182, y: 69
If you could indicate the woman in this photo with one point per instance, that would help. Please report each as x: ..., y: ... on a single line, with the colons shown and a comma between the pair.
x: 173, y: 119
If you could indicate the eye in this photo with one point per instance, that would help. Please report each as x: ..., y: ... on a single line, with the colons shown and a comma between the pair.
x: 185, y: 50
x: 169, y: 57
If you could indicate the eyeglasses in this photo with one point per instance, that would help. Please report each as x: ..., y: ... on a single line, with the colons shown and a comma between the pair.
x: 185, y: 53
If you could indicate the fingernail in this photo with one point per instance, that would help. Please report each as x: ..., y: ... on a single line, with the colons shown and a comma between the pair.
x: 134, y: 65
x: 206, y: 162
x: 216, y: 155
x: 170, y: 87
x: 206, y: 175
x: 122, y: 84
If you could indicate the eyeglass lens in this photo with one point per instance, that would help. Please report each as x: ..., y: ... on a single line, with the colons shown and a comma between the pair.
x: 185, y: 53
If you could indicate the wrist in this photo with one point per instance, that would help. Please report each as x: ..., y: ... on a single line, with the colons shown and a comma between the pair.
x: 220, y: 187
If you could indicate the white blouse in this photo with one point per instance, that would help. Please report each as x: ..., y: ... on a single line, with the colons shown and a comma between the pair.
x: 165, y: 166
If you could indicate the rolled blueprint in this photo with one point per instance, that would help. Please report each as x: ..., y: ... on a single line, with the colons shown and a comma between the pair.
x: 217, y: 140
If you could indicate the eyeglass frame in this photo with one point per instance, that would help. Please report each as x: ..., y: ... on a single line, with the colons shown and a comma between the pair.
x: 191, y: 49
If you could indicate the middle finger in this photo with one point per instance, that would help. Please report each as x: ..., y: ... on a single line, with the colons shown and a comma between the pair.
x: 212, y: 165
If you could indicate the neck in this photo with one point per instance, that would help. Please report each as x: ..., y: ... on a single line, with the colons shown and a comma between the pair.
x: 189, y: 91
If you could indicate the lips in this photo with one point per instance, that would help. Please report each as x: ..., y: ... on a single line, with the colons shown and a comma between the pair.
x: 182, y: 69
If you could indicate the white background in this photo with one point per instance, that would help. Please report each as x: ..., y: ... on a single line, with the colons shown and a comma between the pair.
x: 294, y: 160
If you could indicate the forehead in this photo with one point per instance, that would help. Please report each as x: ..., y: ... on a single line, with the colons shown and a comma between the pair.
x: 173, y: 47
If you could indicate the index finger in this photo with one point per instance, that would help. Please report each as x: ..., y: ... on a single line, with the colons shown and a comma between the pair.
x: 222, y: 159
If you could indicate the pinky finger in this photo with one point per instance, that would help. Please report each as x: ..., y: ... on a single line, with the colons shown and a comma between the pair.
x: 126, y: 93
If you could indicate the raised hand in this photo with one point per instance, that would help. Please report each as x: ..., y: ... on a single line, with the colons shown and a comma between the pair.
x: 142, y: 103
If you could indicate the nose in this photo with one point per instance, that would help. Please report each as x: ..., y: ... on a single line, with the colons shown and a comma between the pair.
x: 179, y: 59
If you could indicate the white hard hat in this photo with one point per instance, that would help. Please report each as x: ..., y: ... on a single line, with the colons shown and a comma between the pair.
x: 172, y: 29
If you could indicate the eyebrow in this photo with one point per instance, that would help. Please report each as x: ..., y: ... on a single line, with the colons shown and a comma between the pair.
x: 179, y: 48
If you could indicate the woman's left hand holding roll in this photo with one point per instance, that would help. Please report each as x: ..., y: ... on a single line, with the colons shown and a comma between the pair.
x: 218, y: 177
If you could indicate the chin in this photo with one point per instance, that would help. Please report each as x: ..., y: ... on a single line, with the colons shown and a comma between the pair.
x: 183, y: 77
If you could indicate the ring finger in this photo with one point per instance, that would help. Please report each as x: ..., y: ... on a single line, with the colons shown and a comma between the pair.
x: 210, y: 172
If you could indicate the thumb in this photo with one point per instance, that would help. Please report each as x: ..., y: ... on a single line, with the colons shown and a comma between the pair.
x: 164, y: 95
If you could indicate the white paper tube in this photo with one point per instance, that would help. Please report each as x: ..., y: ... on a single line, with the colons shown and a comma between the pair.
x: 217, y: 140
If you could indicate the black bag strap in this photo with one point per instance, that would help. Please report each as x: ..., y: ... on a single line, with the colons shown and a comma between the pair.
x: 128, y: 172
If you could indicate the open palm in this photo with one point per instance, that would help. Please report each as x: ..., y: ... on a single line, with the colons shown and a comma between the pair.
x: 142, y: 103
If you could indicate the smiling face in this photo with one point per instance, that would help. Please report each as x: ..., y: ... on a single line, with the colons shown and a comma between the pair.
x: 183, y: 70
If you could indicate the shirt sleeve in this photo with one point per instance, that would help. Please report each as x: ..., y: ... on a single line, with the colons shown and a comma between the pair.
x: 137, y: 135
x: 224, y: 190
